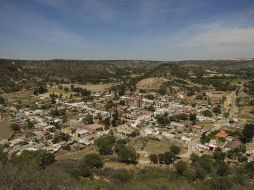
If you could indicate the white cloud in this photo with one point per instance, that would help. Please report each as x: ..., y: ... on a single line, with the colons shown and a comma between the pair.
x: 222, y: 37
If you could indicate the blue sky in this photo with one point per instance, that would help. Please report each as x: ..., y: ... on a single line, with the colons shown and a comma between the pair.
x: 127, y: 29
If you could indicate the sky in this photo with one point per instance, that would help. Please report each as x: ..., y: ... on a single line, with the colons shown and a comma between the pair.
x: 127, y: 29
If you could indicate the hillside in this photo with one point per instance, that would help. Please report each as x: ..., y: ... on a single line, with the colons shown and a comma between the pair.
x: 18, y: 74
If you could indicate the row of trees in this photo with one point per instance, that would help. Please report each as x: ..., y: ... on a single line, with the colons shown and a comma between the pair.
x: 165, y: 119
x: 167, y: 157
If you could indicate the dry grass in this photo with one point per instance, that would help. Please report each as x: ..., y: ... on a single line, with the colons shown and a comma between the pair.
x: 151, y: 83
x: 246, y: 112
x: 92, y: 87
x: 24, y: 96
x: 5, y: 131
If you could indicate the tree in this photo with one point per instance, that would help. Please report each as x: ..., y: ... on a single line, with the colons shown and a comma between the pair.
x: 193, y: 118
x: 122, y: 102
x: 247, y: 133
x: 218, y: 154
x: 190, y: 174
x: 3, y: 156
x: 88, y: 119
x: 40, y: 90
x: 106, y: 122
x: 207, y: 113
x: 114, y: 119
x: 109, y: 105
x: 66, y: 89
x: 175, y: 149
x: 151, y: 108
x: 161, y: 158
x: 29, y: 124
x: 169, y: 157
x: 217, y: 110
x: 2, y: 100
x: 154, y: 158
x: 163, y: 90
x: 105, y: 144
x: 85, y: 170
x: 127, y: 154
x: 194, y: 157
x: 40, y: 158
x: 234, y: 153
x: 180, y: 167
x: 205, y: 139
x: 93, y: 160
x: 222, y: 168
x: 242, y: 159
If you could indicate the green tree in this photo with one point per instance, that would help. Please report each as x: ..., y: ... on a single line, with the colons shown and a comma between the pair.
x: 207, y: 113
x: 105, y: 144
x: 154, y: 158
x: 127, y: 154
x: 190, y: 174
x: 222, y: 168
x: 163, y: 90
x: 2, y: 100
x: 40, y: 158
x: 217, y: 110
x: 218, y: 154
x: 180, y: 167
x: 106, y: 122
x: 93, y: 160
x: 175, y: 149
x: 161, y: 157
x: 247, y: 133
x: 193, y: 118
x: 194, y: 157
x: 169, y: 157
x: 66, y: 89
x: 29, y: 124
x: 3, y: 156
x: 88, y: 119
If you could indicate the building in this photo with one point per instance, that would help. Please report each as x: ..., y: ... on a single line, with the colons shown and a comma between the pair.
x: 221, y: 134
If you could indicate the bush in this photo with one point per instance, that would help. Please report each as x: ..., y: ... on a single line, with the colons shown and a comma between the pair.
x: 121, y: 176
x: 93, y: 160
x: 190, y: 174
x: 15, y: 127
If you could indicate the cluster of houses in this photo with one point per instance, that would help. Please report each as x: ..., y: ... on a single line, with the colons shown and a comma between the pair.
x: 66, y: 128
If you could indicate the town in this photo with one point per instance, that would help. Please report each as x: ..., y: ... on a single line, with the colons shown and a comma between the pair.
x: 73, y: 118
